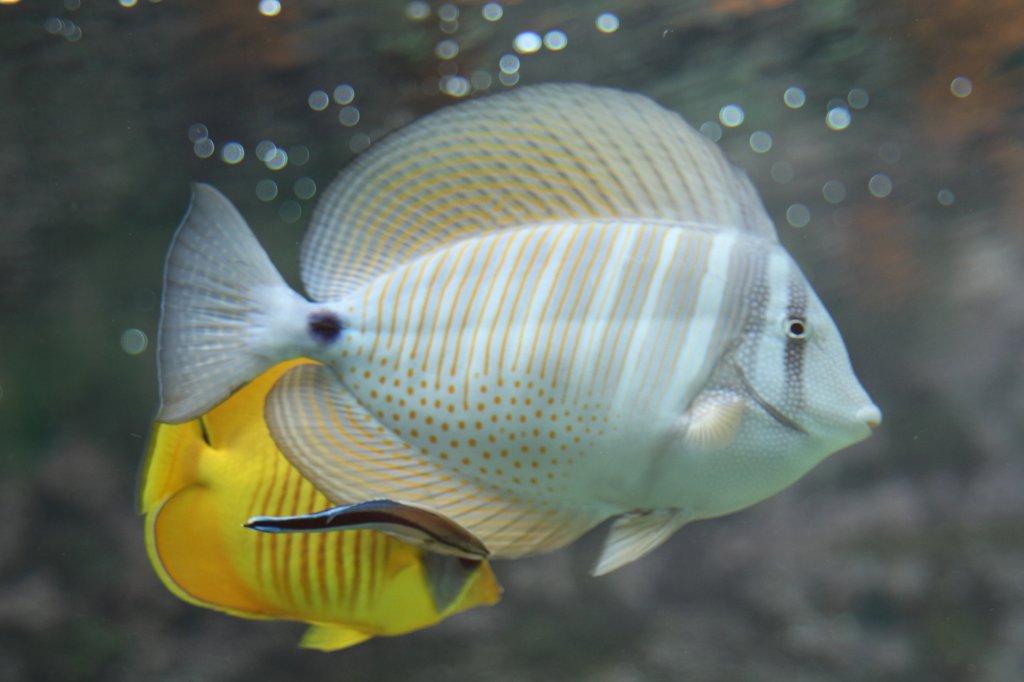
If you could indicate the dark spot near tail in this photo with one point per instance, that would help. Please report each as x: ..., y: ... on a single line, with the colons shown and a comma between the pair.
x: 324, y: 326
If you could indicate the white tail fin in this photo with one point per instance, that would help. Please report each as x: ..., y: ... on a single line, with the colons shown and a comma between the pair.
x: 227, y: 314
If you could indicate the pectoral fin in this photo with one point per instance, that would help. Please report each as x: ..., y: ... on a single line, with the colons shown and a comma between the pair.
x: 409, y: 523
x: 635, y: 534
x: 713, y: 419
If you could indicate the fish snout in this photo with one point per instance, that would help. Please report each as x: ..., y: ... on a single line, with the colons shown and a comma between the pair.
x: 870, y: 415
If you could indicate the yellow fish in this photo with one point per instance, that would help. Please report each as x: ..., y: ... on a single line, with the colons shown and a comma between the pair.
x: 204, y: 478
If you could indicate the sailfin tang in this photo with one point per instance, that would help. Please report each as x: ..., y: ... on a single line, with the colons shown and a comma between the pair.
x: 544, y: 153
x: 635, y: 534
x: 409, y: 523
x: 348, y: 454
x: 227, y: 314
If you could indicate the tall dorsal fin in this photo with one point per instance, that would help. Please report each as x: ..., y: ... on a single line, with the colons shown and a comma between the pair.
x: 535, y: 154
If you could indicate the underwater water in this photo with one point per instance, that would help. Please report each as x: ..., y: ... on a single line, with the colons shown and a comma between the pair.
x: 887, y: 142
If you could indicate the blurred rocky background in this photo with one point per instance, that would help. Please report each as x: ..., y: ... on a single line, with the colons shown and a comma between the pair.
x: 894, y: 168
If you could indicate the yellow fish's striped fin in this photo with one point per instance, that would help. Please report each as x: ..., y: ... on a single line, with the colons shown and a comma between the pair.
x: 347, y: 453
x: 331, y: 637
x: 635, y: 534
x: 537, y: 154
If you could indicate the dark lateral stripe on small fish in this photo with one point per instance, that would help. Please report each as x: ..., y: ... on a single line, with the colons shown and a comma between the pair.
x: 349, y: 517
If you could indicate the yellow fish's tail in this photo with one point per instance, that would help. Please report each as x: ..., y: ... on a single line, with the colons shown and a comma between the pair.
x: 183, y: 540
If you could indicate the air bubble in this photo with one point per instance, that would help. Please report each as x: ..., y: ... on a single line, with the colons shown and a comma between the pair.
x: 509, y: 64
x: 344, y: 94
x: 448, y: 12
x: 417, y: 11
x: 858, y: 98
x: 481, y: 80
x: 555, y: 40
x: 305, y: 188
x: 833, y: 191
x: 72, y: 32
x: 456, y: 86
x: 318, y: 100
x: 838, y: 118
x: 731, y: 115
x: 711, y: 130
x: 232, y: 153
x: 607, y: 23
x: 277, y: 159
x: 761, y: 141
x: 270, y: 8
x: 197, y: 131
x: 447, y: 49
x: 527, y: 42
x: 946, y: 197
x: 134, y: 341
x: 265, y: 149
x: 794, y: 97
x: 880, y: 185
x: 798, y: 215
x: 348, y: 116
x: 204, y: 148
x: 492, y: 11
x: 266, y: 190
x: 961, y: 87
x: 290, y: 211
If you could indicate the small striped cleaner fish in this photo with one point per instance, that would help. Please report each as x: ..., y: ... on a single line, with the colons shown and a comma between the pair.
x: 203, y: 478
x: 531, y: 312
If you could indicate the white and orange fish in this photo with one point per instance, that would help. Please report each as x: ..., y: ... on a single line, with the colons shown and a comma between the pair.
x: 532, y: 312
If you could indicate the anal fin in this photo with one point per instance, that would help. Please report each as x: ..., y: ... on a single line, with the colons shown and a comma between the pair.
x: 635, y: 534
x: 330, y: 637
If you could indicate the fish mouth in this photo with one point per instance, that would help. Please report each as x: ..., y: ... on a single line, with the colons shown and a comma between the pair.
x: 773, y: 412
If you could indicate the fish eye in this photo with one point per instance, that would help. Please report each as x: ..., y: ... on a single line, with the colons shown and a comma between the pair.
x: 796, y: 328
